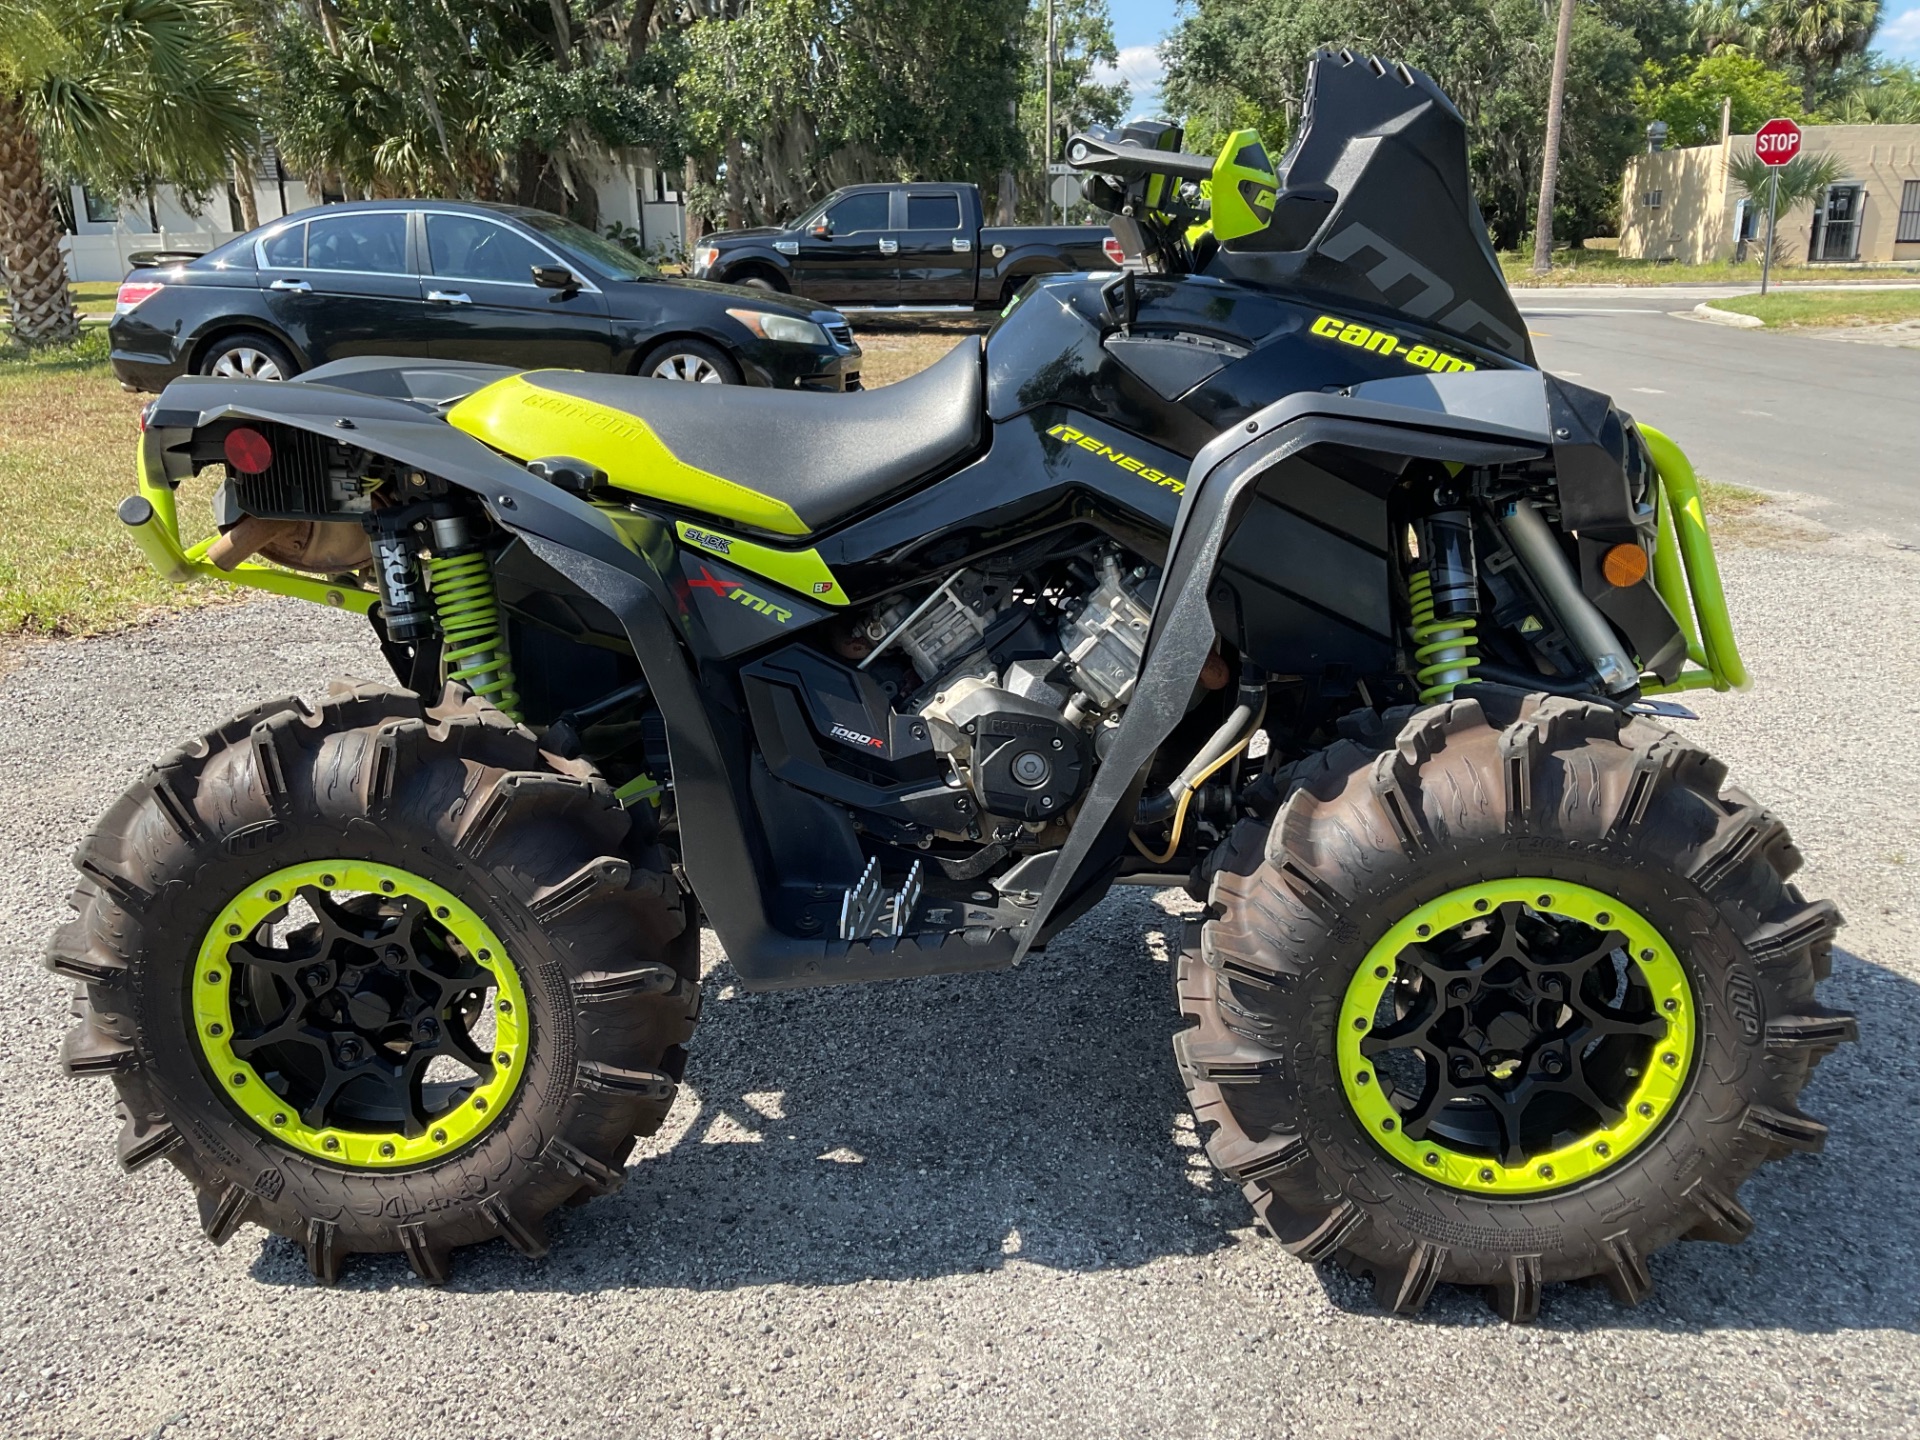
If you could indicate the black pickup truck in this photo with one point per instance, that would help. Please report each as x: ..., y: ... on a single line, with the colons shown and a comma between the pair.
x: 902, y: 245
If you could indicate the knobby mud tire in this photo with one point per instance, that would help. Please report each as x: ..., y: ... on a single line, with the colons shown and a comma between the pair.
x: 585, y: 904
x: 1422, y: 802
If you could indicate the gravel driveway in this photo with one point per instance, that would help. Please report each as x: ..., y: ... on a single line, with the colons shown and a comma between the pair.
x: 965, y: 1207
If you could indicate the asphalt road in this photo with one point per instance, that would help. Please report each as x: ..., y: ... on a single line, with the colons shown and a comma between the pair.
x: 960, y: 1207
x: 1838, y: 423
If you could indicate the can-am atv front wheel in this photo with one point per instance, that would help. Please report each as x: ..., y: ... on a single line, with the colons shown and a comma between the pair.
x: 1514, y: 996
x: 379, y: 977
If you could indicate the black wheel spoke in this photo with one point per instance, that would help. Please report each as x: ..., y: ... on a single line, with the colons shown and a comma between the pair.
x: 290, y: 1029
x: 1440, y: 1094
x: 283, y: 963
x: 1613, y: 941
x: 336, y: 921
x: 1601, y: 1023
x: 1580, y: 1089
x: 314, y: 1112
x: 1406, y: 1034
x: 1430, y: 967
x: 1510, y: 1108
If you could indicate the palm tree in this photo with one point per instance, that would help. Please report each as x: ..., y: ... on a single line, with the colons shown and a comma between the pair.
x: 1815, y: 36
x: 1803, y: 178
x: 123, y: 93
x: 1715, y: 25
x: 1550, y: 159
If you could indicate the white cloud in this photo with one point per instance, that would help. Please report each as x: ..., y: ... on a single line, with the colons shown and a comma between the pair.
x: 1899, y: 37
x: 1140, y: 65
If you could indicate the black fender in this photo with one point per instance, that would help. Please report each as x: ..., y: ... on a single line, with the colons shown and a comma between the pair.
x: 762, y: 255
x: 1489, y: 417
x: 239, y: 323
x: 625, y: 569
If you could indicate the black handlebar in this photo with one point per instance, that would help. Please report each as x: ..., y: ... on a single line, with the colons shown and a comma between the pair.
x: 1121, y: 157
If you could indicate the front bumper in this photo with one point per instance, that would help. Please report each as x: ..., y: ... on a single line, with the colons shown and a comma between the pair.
x: 807, y: 367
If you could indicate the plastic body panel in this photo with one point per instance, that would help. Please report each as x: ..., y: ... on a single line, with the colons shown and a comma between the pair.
x: 1061, y: 345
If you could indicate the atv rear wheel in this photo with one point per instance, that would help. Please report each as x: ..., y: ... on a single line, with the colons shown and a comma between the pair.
x: 379, y: 977
x: 1516, y: 996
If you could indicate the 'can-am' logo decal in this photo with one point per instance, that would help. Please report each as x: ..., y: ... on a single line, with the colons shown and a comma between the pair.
x: 1385, y: 342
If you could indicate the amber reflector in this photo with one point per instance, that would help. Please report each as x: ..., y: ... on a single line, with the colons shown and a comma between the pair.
x: 1624, y: 565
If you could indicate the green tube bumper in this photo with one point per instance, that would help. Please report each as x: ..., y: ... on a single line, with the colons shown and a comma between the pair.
x: 1688, y: 577
x: 154, y: 526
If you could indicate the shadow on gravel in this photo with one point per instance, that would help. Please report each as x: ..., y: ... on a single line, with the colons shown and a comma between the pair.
x: 939, y: 1127
x: 964, y: 1120
x: 1834, y: 1246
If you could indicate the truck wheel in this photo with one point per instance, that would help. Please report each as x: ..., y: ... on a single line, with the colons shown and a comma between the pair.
x: 379, y: 977
x: 1515, y: 996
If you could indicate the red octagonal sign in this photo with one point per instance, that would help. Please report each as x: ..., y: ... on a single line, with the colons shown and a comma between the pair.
x: 1777, y: 142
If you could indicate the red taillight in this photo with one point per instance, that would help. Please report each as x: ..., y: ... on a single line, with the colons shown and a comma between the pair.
x: 1115, y: 252
x: 133, y: 292
x: 248, y: 451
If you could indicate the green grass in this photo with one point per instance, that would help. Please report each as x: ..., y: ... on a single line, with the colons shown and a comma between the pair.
x: 1828, y: 308
x: 67, y: 433
x: 1604, y: 267
x: 95, y: 297
x: 90, y: 297
x: 1722, y: 501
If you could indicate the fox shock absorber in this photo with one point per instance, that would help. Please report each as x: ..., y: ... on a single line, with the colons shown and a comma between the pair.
x: 1445, y: 600
x: 404, y: 607
x: 476, y: 653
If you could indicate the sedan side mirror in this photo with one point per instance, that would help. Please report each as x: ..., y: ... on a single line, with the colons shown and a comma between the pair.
x: 556, y: 277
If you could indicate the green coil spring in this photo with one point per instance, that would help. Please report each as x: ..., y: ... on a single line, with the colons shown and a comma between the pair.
x: 1445, y: 651
x: 475, y: 651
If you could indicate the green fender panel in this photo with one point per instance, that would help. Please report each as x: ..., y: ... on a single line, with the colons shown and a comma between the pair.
x: 529, y: 422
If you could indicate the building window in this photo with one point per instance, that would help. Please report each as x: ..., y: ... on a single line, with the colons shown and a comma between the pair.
x: 1909, y: 231
x: 99, y: 210
x: 1655, y: 198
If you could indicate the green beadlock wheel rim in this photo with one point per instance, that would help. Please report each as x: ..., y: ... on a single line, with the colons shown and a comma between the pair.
x: 360, y: 1004
x: 1517, y: 998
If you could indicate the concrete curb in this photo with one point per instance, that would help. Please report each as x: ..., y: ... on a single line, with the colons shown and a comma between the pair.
x: 1705, y: 311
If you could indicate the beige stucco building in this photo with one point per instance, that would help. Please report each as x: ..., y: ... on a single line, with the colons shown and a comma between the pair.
x: 1680, y: 204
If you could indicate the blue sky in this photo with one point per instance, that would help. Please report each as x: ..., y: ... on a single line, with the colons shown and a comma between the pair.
x: 1899, y: 36
x: 1138, y: 28
x: 1140, y: 25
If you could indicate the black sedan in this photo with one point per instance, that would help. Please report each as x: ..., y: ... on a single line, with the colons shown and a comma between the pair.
x: 454, y: 281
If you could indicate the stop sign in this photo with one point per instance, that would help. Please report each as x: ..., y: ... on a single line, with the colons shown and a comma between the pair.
x: 1777, y: 142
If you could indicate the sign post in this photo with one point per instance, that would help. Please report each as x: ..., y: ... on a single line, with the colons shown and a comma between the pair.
x: 1775, y: 143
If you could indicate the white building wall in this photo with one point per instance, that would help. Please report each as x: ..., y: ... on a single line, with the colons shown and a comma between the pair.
x: 629, y: 190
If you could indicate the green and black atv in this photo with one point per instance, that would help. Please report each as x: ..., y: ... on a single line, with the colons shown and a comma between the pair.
x: 1272, y: 566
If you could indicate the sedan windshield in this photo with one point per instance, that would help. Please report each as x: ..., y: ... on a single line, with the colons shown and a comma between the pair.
x: 613, y: 262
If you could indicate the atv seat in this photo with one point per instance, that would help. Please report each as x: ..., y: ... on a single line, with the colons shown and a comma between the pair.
x: 783, y: 461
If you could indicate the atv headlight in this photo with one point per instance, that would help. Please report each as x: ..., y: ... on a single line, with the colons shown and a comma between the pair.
x: 782, y: 329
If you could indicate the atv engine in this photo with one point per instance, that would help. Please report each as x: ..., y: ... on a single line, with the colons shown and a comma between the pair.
x: 1021, y: 690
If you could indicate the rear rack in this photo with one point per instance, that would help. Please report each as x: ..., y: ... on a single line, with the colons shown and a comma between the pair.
x: 154, y: 525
